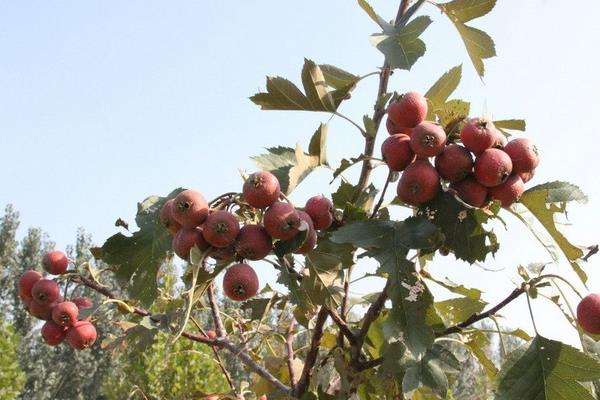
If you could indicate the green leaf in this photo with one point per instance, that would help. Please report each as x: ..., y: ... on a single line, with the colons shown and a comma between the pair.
x: 374, y: 16
x: 548, y: 370
x: 138, y: 257
x: 344, y: 165
x: 290, y: 165
x: 478, y: 343
x: 452, y: 112
x: 283, y: 247
x: 426, y: 373
x: 463, y: 227
x: 479, y: 44
x: 543, y: 202
x: 474, y: 294
x: 402, y: 47
x: 454, y: 311
x: 322, y: 91
x: 510, y: 125
x: 443, y: 88
x: 389, y: 242
x: 370, y: 127
x: 354, y: 211
x: 323, y: 283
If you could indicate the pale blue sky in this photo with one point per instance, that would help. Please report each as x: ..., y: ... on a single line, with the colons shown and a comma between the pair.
x: 103, y: 103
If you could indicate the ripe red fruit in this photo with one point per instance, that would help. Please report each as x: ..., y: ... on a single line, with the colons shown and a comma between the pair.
x: 166, y: 217
x: 82, y: 303
x: 311, y: 235
x: 428, y: 139
x: 455, y: 163
x: 393, y: 129
x: 45, y: 291
x: 492, y: 167
x: 187, y: 238
x: 500, y: 140
x: 221, y: 228
x: 211, y: 334
x: 261, y: 189
x: 223, y: 254
x: 190, y: 208
x: 65, y: 313
x: 53, y: 334
x: 253, y: 242
x: 26, y: 282
x: 281, y: 220
x: 409, y: 111
x: 523, y: 153
x: 478, y: 135
x: 55, y: 262
x: 508, y: 192
x: 527, y: 176
x: 588, y: 314
x: 320, y: 210
x: 41, y: 311
x: 240, y: 282
x: 419, y: 183
x: 470, y: 191
x: 396, y: 152
x: 81, y: 335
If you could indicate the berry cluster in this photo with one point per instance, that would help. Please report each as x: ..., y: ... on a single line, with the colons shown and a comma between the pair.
x: 264, y: 216
x: 485, y: 166
x: 42, y: 299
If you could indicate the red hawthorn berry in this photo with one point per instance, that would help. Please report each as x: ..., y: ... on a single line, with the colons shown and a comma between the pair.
x: 523, y: 153
x: 187, y: 238
x: 500, y: 140
x: 508, y: 192
x: 65, y: 313
x: 470, y: 191
x: 166, y: 217
x: 455, y: 163
x: 41, y: 311
x: 224, y: 254
x: 211, y: 334
x: 527, y: 176
x: 419, y: 183
x: 320, y: 210
x: 53, y: 334
x: 253, y: 242
x: 492, y: 167
x: 588, y: 314
x: 396, y: 130
x: 55, y: 262
x: 311, y: 235
x: 221, y: 228
x: 428, y: 139
x: 261, y: 189
x: 263, y: 397
x: 396, y: 152
x: 281, y: 220
x: 82, y: 303
x: 409, y: 111
x: 45, y: 291
x: 26, y: 282
x: 240, y: 282
x: 478, y: 135
x: 81, y: 335
x: 190, y: 208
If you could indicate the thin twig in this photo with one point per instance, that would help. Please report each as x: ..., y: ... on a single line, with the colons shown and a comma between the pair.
x: 214, y: 309
x: 313, y: 352
x: 289, y: 344
x: 360, y: 128
x: 385, y: 187
x: 344, y: 329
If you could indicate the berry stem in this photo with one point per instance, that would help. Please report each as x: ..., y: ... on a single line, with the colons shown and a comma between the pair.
x: 385, y: 187
x: 360, y: 128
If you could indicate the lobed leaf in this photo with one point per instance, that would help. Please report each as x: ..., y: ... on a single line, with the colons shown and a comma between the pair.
x: 548, y: 370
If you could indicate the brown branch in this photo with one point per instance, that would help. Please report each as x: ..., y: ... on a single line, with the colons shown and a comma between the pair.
x: 289, y: 344
x: 591, y: 251
x: 344, y: 307
x: 220, y: 342
x: 313, y: 352
x: 378, y: 114
x: 478, y: 317
x: 373, y: 312
x: 214, y: 309
x: 344, y: 329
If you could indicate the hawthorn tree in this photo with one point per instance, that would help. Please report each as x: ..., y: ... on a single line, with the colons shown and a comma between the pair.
x: 302, y: 343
